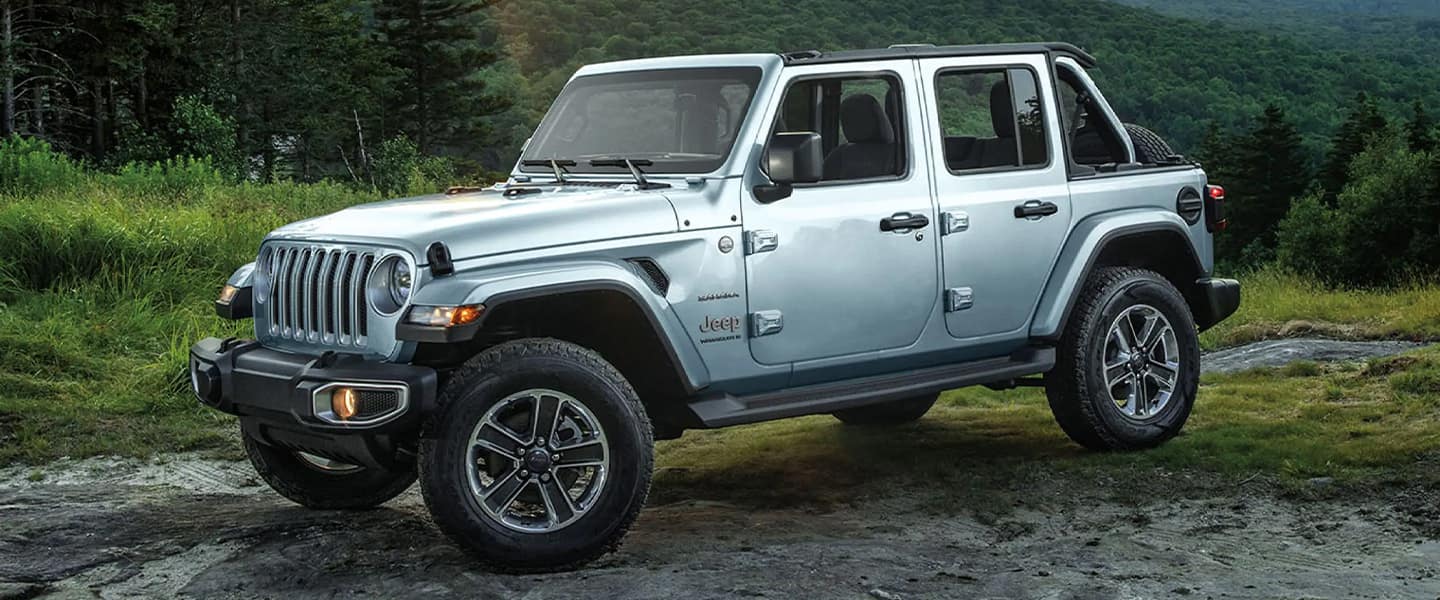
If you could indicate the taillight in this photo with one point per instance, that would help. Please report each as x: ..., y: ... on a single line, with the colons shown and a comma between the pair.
x: 1215, y: 208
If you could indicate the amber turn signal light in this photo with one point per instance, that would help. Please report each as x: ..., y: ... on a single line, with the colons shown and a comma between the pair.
x: 345, y: 403
x: 444, y: 316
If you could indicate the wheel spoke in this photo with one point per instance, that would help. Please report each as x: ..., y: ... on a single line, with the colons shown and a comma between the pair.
x: 585, y: 454
x: 1165, y: 372
x: 1118, y: 332
x: 558, y: 506
x: 1144, y: 341
x: 1137, y: 396
x: 496, y: 438
x: 503, y: 493
x: 1116, y: 372
x: 544, y: 417
x: 1133, y: 341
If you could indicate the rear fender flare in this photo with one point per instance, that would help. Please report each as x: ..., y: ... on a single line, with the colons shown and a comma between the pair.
x: 1078, y: 258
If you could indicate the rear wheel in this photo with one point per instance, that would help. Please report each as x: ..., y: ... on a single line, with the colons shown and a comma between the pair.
x: 1128, y: 365
x: 889, y: 413
x: 318, y: 482
x: 541, y: 458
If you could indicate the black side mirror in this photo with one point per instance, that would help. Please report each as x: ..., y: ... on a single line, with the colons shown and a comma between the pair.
x: 790, y: 159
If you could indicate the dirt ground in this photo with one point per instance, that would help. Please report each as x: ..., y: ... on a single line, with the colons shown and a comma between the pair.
x: 192, y: 527
x: 187, y: 526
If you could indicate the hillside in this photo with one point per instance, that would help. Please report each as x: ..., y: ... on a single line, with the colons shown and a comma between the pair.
x: 1173, y: 73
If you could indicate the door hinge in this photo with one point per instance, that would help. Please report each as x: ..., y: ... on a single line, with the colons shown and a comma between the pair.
x: 954, y: 222
x: 957, y: 299
x: 766, y: 322
x: 761, y: 240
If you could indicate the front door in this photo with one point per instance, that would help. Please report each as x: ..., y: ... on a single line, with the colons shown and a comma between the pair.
x: 829, y: 273
x: 1001, y: 186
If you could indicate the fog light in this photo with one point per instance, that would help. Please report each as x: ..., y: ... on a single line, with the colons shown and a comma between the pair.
x: 345, y: 403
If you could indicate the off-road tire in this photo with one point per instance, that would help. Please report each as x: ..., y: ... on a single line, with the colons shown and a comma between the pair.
x: 896, y: 412
x: 1150, y: 148
x: 312, y: 487
x: 485, y: 380
x: 1079, y: 397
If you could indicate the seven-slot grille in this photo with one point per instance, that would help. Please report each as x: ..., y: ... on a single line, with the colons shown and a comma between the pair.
x: 317, y: 293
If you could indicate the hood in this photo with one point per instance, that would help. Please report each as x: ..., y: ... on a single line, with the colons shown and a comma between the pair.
x: 487, y: 222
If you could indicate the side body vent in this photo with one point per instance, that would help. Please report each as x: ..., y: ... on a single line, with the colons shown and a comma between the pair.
x: 652, y: 273
x: 1190, y: 205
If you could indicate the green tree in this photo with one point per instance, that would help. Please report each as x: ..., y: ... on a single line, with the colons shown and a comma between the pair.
x: 439, y: 49
x: 1363, y: 123
x: 1384, y: 226
x: 1420, y: 131
x: 1267, y: 172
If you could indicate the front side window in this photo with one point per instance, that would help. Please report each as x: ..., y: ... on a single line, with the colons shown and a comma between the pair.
x: 991, y: 119
x: 859, y: 121
x: 681, y: 120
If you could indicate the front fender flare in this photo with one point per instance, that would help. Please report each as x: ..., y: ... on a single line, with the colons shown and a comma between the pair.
x: 1087, y: 240
x: 497, y: 287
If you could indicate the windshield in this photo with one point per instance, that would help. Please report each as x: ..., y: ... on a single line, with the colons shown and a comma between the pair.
x: 681, y: 120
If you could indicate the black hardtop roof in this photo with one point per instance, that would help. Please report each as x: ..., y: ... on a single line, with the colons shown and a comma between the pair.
x: 814, y: 57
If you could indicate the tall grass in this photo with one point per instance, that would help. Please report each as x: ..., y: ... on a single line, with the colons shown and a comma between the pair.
x: 105, y: 281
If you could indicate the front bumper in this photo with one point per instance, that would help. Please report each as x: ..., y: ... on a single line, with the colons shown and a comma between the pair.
x: 273, y: 393
x: 1216, y: 300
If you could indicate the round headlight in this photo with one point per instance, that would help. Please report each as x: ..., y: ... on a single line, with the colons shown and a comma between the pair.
x: 400, y: 281
x: 389, y: 285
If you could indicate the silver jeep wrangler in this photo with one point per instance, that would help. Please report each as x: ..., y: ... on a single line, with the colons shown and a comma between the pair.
x: 706, y: 241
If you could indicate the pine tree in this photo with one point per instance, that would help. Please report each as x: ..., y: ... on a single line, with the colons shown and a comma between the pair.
x: 1420, y: 131
x: 1363, y: 123
x: 440, y: 47
x: 1267, y: 172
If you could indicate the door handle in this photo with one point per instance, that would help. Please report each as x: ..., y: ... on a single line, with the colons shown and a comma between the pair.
x: 1035, y: 209
x: 903, y: 222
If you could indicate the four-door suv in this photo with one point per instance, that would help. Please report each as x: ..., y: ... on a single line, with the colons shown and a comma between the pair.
x: 707, y: 241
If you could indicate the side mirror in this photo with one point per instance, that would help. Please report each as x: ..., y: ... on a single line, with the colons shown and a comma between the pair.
x: 790, y: 159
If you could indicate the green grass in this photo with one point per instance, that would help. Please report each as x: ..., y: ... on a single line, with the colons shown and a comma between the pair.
x: 1279, y: 304
x: 106, y: 279
x: 1356, y: 423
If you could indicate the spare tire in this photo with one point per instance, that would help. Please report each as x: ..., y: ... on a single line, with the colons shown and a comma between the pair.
x: 1150, y: 148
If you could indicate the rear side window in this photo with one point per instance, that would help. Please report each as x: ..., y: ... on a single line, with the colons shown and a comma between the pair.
x: 991, y: 119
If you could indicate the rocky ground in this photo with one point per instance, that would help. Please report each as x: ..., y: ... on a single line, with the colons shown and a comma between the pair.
x: 183, y: 525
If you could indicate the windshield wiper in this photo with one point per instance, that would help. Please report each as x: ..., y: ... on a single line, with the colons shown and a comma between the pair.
x: 557, y: 165
x: 633, y: 164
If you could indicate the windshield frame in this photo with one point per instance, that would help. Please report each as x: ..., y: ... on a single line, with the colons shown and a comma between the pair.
x: 753, y: 75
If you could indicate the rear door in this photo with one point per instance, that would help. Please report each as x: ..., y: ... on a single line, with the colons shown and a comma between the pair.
x: 1001, y: 188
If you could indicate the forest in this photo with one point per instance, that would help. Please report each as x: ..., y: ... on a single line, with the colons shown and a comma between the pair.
x: 400, y: 96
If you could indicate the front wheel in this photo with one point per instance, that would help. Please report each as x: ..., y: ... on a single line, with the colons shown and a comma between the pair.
x: 540, y: 459
x: 1128, y: 365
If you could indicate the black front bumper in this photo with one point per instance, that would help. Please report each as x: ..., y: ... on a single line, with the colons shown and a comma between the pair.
x: 1216, y: 300
x: 272, y: 393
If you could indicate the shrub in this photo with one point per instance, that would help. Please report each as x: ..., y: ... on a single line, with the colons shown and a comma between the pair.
x: 201, y: 131
x: 400, y: 169
x: 31, y: 166
x: 1384, y: 227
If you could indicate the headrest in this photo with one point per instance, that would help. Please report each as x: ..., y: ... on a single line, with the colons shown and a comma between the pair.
x: 1002, y: 111
x: 864, y: 121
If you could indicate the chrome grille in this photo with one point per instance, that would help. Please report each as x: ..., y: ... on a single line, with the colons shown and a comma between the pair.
x: 317, y: 294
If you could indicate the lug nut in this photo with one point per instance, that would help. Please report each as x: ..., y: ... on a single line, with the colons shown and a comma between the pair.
x: 554, y: 458
x: 524, y: 474
x: 539, y: 441
x: 544, y: 477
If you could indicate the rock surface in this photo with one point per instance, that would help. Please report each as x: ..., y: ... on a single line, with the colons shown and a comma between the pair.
x: 1278, y: 353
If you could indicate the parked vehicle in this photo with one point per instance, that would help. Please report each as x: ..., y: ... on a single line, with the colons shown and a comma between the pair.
x: 706, y: 241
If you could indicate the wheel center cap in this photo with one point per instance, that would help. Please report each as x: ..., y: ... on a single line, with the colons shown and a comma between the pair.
x: 537, y: 460
x: 1137, y: 362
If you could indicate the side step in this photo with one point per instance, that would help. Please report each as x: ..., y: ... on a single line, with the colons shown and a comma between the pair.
x: 722, y: 410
